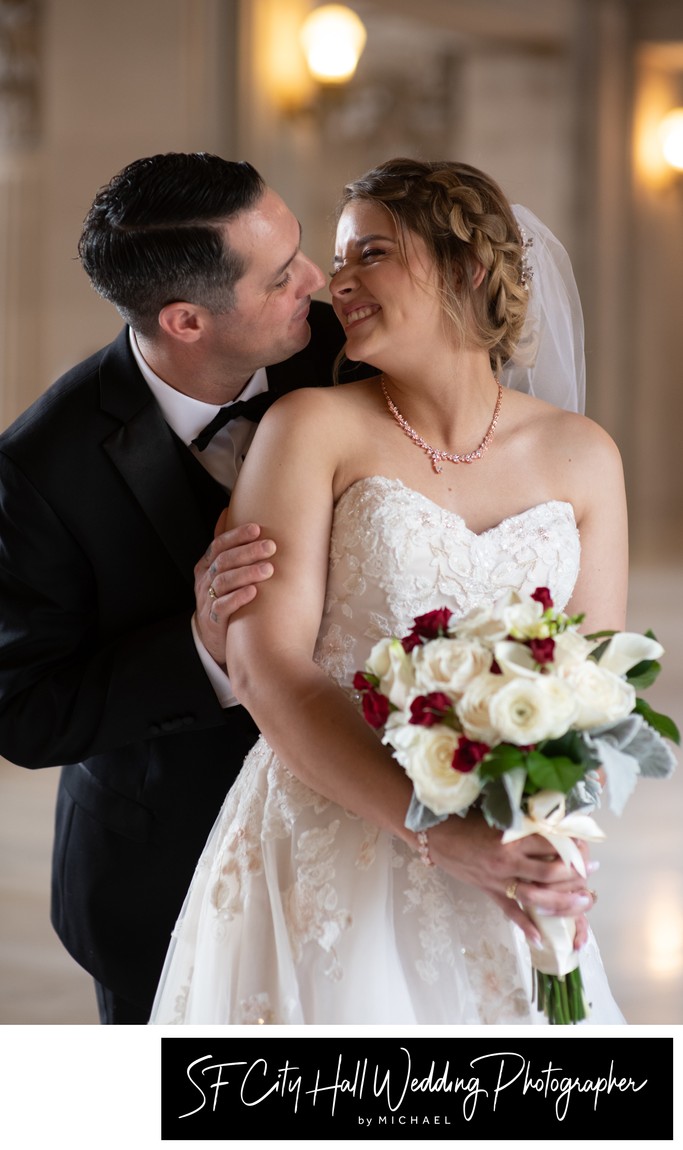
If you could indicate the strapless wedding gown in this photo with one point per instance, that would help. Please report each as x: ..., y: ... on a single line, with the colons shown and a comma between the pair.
x: 300, y: 912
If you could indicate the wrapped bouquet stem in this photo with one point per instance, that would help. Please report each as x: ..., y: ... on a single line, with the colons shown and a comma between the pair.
x: 558, y: 986
x: 513, y: 709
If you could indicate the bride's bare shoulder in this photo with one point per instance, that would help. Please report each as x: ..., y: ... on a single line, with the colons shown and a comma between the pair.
x: 313, y: 404
x: 563, y: 432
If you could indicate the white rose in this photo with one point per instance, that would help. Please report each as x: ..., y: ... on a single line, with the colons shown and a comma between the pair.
x: 479, y: 623
x: 448, y: 664
x: 528, y: 710
x: 393, y: 667
x: 625, y: 649
x: 571, y: 649
x: 601, y: 696
x: 473, y: 708
x: 426, y: 755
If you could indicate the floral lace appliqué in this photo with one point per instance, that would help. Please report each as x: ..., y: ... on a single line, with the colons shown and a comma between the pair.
x: 395, y: 554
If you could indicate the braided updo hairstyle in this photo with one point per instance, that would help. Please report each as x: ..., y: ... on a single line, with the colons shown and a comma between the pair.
x: 463, y: 218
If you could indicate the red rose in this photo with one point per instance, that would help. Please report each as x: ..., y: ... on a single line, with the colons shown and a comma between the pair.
x: 429, y: 709
x: 361, y: 682
x: 433, y: 624
x: 542, y: 595
x: 429, y: 626
x: 375, y: 708
x: 543, y: 650
x: 409, y: 642
x: 468, y: 754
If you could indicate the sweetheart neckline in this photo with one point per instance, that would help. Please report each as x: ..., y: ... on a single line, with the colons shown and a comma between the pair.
x: 454, y: 514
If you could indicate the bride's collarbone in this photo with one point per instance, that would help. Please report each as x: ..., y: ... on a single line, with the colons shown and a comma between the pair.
x: 500, y: 484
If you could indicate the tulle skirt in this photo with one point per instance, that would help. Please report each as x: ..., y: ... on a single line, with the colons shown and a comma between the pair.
x: 300, y: 913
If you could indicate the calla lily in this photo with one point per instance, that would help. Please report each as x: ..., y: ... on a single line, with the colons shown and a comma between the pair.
x: 627, y: 648
x: 515, y: 659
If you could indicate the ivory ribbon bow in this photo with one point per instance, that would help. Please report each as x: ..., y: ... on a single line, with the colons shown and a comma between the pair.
x: 546, y: 816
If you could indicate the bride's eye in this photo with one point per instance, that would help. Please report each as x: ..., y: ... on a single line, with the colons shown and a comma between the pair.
x: 367, y: 255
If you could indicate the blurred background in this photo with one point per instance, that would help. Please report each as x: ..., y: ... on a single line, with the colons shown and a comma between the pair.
x: 564, y: 102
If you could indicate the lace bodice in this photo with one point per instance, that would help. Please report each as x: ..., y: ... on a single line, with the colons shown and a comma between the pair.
x: 396, y: 554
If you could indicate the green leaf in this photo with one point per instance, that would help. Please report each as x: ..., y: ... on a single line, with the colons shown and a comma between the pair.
x: 500, y: 759
x: 601, y: 635
x: 571, y: 745
x: 556, y: 774
x: 643, y: 674
x: 664, y: 725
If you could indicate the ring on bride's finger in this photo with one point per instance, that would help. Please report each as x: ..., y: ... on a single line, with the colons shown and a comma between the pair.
x: 511, y: 889
x: 593, y: 894
x: 212, y: 593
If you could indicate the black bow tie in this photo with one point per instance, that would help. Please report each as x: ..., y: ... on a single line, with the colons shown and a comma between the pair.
x: 251, y: 409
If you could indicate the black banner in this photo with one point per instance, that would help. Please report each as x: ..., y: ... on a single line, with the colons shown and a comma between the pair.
x: 433, y: 1087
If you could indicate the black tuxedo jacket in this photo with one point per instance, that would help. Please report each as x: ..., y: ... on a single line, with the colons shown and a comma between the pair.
x: 103, y: 515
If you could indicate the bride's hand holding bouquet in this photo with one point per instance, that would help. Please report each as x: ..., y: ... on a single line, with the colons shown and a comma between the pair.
x: 512, y: 710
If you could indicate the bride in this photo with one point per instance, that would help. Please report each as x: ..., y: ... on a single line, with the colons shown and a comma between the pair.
x: 430, y: 485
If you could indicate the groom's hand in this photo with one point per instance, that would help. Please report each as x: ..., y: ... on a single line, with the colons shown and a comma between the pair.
x: 226, y: 577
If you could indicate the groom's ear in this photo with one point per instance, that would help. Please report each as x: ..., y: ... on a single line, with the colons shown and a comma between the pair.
x: 183, y: 321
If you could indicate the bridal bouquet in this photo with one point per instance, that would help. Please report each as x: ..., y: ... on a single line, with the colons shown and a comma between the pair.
x: 513, y: 709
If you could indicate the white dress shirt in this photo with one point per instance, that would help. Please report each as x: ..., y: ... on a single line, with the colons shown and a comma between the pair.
x: 222, y: 458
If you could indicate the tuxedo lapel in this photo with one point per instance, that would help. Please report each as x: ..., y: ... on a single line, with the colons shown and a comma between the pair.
x: 164, y: 481
x: 148, y: 457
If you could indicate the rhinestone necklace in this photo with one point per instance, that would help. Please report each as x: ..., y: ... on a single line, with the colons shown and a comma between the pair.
x: 434, y: 454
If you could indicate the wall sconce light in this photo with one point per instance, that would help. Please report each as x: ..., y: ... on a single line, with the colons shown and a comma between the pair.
x: 333, y: 38
x: 671, y: 139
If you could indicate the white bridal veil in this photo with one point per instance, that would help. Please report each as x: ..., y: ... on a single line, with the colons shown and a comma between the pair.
x: 549, y: 359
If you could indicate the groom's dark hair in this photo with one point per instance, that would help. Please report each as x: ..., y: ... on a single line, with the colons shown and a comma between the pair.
x: 153, y: 234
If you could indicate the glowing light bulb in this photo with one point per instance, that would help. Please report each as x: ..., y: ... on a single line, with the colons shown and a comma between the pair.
x: 333, y: 38
x: 671, y: 137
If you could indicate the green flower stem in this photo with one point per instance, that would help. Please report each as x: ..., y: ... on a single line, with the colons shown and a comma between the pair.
x: 562, y: 1000
x: 539, y: 985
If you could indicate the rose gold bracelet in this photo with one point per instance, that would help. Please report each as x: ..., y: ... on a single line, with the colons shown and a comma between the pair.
x: 423, y: 848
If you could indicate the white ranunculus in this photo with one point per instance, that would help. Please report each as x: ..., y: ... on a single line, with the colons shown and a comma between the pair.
x: 625, y: 649
x: 527, y: 710
x: 473, y: 708
x: 448, y: 664
x: 426, y: 755
x: 393, y: 667
x: 600, y: 695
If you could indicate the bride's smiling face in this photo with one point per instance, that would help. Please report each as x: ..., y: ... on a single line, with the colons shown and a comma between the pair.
x: 384, y: 293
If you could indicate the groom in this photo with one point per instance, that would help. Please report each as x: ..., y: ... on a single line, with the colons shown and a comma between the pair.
x: 115, y: 593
